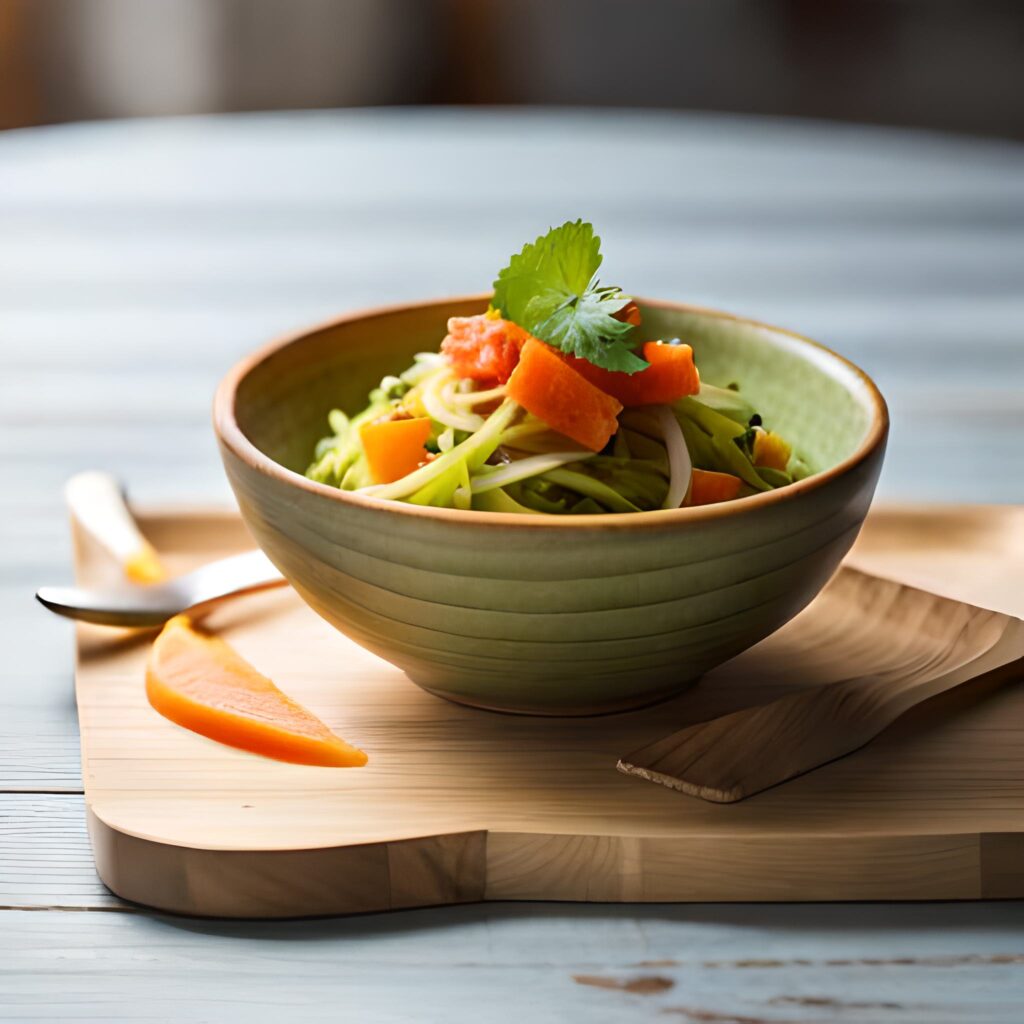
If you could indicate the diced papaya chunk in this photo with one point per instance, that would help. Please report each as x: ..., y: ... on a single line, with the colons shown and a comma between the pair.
x: 671, y: 375
x: 201, y: 683
x: 545, y: 384
x: 394, y: 447
x: 483, y: 348
x: 707, y: 488
x: 771, y: 451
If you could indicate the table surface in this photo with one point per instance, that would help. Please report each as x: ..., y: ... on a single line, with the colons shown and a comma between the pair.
x: 138, y: 260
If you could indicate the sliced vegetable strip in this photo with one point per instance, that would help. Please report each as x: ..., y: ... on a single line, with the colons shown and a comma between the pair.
x: 587, y: 485
x: 719, y: 439
x: 522, y: 469
x: 498, y: 501
x: 680, y: 463
x: 726, y: 401
x: 475, y: 450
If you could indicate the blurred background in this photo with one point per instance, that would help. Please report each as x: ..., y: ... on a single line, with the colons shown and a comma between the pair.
x: 411, y: 145
x: 946, y: 64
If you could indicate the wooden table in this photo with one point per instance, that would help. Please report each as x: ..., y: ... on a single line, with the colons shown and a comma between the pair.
x: 138, y: 260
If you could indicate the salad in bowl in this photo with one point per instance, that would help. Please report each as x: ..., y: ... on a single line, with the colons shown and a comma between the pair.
x: 554, y: 402
x: 557, y: 499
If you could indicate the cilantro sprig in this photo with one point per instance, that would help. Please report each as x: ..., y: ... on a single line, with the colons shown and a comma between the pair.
x: 550, y: 289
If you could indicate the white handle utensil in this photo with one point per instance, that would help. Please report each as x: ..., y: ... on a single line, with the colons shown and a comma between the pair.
x: 97, y: 501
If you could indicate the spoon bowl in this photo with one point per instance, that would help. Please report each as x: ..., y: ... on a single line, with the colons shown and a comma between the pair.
x: 142, y: 606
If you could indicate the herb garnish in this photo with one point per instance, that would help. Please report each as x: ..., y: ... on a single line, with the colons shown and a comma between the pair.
x: 550, y: 290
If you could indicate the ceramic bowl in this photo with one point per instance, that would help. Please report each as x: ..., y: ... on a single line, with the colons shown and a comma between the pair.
x: 550, y: 615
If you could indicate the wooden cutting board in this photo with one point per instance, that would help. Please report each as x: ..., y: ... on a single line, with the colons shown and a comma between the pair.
x: 461, y: 805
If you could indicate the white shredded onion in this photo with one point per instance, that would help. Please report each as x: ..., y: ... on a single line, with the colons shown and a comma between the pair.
x: 524, y: 468
x: 438, y: 409
x: 423, y: 365
x: 460, y: 397
x: 541, y: 443
x: 680, y: 464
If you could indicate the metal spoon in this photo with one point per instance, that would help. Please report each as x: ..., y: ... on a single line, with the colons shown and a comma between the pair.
x: 96, y: 501
x: 154, y: 605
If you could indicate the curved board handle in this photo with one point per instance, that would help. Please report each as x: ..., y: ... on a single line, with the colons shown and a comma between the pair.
x: 878, y: 647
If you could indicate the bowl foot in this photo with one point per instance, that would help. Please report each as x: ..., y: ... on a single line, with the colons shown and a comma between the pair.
x: 613, y: 707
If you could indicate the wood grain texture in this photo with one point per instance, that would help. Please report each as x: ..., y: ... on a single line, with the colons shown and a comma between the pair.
x: 876, y: 648
x: 974, y: 553
x: 184, y: 824
x: 354, y: 879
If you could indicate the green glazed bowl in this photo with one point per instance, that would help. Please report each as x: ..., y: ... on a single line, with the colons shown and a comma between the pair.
x: 550, y: 615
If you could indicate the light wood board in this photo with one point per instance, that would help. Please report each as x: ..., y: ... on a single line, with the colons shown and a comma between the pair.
x: 460, y: 805
x: 865, y: 652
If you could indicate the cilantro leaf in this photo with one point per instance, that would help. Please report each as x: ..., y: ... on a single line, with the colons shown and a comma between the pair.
x: 549, y: 289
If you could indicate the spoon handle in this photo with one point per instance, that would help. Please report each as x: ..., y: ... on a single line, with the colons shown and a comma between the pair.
x: 96, y: 500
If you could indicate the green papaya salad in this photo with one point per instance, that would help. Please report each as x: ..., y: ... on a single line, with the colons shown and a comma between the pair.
x: 546, y: 404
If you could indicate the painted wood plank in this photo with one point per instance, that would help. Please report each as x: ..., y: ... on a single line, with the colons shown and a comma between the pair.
x: 45, y: 858
x: 115, y: 337
x: 119, y: 335
x: 342, y: 149
x: 936, y: 962
x: 326, y: 176
x: 545, y: 964
x: 38, y: 722
x: 793, y: 260
x: 747, y: 277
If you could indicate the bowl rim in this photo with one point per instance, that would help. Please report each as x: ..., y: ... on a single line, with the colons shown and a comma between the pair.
x: 231, y: 437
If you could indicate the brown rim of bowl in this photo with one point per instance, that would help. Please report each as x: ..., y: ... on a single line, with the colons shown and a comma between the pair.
x: 230, y: 435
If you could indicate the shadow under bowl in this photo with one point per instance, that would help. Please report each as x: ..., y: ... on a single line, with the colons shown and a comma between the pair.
x: 550, y: 615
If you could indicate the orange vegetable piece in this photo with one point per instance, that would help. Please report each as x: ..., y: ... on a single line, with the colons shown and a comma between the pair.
x: 394, y: 448
x: 546, y: 385
x: 201, y: 683
x: 671, y: 375
x: 629, y: 314
x: 707, y: 488
x: 484, y: 348
x: 771, y: 451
